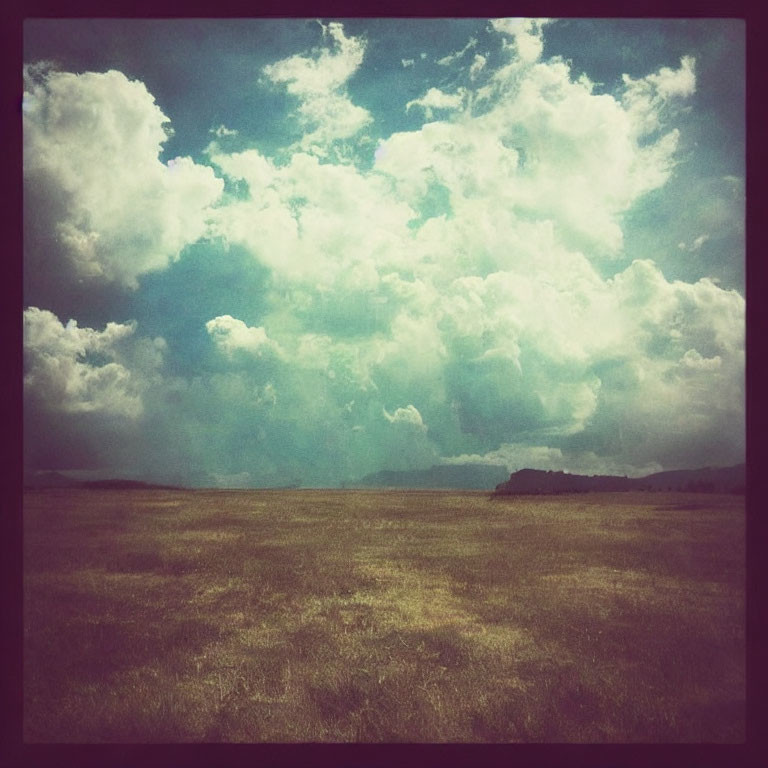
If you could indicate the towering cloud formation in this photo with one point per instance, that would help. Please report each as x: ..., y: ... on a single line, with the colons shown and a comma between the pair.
x: 460, y: 295
x: 100, y: 204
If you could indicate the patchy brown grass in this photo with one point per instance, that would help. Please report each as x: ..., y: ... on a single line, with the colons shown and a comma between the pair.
x: 297, y: 616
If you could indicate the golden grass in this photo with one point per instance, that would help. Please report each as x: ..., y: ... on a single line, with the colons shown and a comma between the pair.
x: 383, y: 616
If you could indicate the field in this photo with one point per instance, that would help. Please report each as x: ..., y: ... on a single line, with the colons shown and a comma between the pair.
x: 374, y: 616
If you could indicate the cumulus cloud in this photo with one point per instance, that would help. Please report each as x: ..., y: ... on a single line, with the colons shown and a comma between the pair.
x: 673, y: 82
x: 466, y: 267
x: 434, y: 99
x: 645, y: 99
x: 231, y: 335
x: 408, y: 416
x: 100, y: 203
x: 314, y: 224
x: 79, y: 370
x: 525, y: 35
x: 318, y: 80
x: 528, y: 154
x: 693, y: 360
x: 545, y: 146
x: 472, y: 279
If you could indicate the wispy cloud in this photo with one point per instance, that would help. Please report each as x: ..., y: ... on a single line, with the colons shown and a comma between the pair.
x: 222, y: 130
x: 318, y: 80
x: 446, y: 61
x: 695, y: 245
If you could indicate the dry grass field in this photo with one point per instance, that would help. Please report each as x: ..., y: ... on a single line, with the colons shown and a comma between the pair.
x: 345, y: 616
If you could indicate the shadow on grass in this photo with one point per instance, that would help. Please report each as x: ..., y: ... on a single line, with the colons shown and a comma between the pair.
x: 443, y: 647
x: 92, y: 651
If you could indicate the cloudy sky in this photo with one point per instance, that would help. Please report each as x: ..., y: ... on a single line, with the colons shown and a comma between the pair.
x: 261, y: 252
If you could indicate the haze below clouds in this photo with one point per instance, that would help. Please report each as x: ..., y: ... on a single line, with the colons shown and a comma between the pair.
x: 292, y: 251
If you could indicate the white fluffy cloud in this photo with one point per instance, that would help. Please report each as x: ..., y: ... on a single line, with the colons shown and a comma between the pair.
x: 474, y: 279
x: 92, y: 170
x: 645, y: 99
x: 434, y: 99
x: 318, y: 80
x: 82, y: 370
x: 525, y: 34
x: 408, y: 416
x: 461, y: 275
x: 231, y: 335
x: 545, y: 146
x: 314, y: 223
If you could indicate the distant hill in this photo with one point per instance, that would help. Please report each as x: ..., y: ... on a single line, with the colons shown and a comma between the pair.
x: 57, y: 480
x: 707, y: 480
x: 51, y: 480
x: 130, y: 484
x: 439, y: 476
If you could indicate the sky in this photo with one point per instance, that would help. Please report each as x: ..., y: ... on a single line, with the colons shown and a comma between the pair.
x: 272, y: 251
